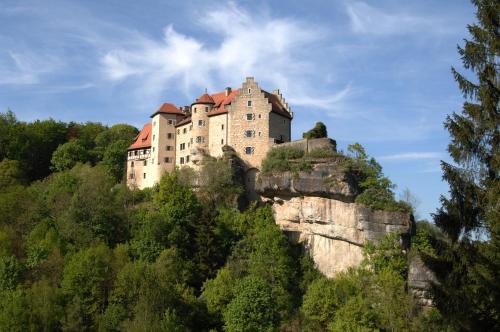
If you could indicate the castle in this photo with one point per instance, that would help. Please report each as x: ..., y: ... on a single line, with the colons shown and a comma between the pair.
x: 248, y: 119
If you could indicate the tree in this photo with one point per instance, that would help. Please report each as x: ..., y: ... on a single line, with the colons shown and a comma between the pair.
x: 11, y: 173
x: 469, y: 262
x: 68, y: 154
x: 253, y: 308
x: 319, y: 131
x: 86, y: 284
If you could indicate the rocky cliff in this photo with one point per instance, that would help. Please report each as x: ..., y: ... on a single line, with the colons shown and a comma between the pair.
x: 317, y: 209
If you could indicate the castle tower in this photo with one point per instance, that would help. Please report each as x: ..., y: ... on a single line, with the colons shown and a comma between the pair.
x: 163, y: 139
x: 199, y: 117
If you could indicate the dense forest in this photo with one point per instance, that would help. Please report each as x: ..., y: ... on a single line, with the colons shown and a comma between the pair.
x: 79, y: 251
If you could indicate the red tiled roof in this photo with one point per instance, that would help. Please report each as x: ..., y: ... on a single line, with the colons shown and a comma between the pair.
x: 143, y: 140
x: 168, y: 108
x: 205, y: 99
x: 221, y: 100
x: 277, y: 106
x: 184, y: 121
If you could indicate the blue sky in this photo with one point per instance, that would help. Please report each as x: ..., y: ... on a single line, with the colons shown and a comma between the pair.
x: 375, y: 72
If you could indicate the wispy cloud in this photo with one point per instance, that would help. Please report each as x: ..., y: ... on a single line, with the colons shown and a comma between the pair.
x: 25, y: 68
x: 366, y: 19
x: 249, y: 44
x: 411, y: 156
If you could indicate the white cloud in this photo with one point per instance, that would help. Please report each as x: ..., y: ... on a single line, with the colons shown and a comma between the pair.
x: 237, y: 44
x: 18, y: 68
x: 366, y: 19
x: 411, y: 156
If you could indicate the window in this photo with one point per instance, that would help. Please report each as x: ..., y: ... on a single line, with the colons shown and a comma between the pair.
x: 284, y: 121
x: 249, y: 103
x: 260, y: 116
x: 201, y: 123
x: 260, y: 134
x: 153, y: 161
x: 200, y: 139
x: 250, y: 116
x: 170, y: 122
x: 145, y: 163
x: 178, y: 131
x: 249, y: 91
x: 182, y: 146
x: 184, y: 130
x: 249, y: 133
x: 129, y: 153
x: 144, y: 175
x: 131, y: 176
x: 222, y: 141
x: 170, y: 135
x: 169, y: 148
x: 195, y: 110
x: 153, y: 149
x: 153, y: 137
x: 206, y: 109
x: 166, y: 160
x: 144, y: 151
x: 222, y: 127
x: 131, y: 164
x: 248, y: 150
x: 135, y: 153
x: 187, y: 159
x: 154, y: 123
x: 182, y: 160
x: 191, y: 127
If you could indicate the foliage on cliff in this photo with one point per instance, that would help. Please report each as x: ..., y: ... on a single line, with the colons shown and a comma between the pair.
x: 319, y: 131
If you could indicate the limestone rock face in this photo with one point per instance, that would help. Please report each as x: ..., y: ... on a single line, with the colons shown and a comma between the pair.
x: 325, y: 180
x: 420, y: 279
x: 334, y: 231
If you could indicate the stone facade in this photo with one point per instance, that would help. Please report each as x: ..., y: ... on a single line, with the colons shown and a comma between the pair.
x: 248, y: 119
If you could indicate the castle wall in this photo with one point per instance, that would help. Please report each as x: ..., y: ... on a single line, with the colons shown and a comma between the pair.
x: 163, y: 144
x: 218, y: 133
x: 140, y: 171
x: 184, y: 142
x: 255, y: 119
x: 279, y: 127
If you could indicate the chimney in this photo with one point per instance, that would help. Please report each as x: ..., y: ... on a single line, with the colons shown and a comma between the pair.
x: 227, y: 91
x: 186, y: 109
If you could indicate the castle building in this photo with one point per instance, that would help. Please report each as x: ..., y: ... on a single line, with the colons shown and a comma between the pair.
x: 248, y: 119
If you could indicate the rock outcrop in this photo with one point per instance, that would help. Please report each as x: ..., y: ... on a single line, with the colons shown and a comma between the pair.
x: 420, y: 281
x: 327, y: 179
x: 333, y: 231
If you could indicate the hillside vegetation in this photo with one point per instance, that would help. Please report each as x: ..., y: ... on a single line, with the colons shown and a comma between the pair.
x: 80, y: 251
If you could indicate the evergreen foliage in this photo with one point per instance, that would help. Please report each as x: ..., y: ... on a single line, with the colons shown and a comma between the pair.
x: 468, y: 263
x: 319, y: 131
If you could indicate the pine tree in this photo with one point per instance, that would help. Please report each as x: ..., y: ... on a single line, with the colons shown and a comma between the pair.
x: 469, y: 263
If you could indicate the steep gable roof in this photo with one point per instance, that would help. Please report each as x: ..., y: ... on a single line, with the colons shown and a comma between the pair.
x: 277, y: 106
x: 143, y: 139
x: 221, y: 100
x: 184, y: 121
x: 168, y: 108
x: 204, y: 99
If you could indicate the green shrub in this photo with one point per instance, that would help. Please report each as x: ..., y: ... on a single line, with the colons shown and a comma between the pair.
x: 382, y: 199
x: 319, y: 131
x: 321, y: 153
x: 282, y: 159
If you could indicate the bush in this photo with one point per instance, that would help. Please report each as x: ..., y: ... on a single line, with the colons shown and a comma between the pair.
x: 382, y: 199
x: 321, y: 153
x: 283, y: 159
x: 319, y: 131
